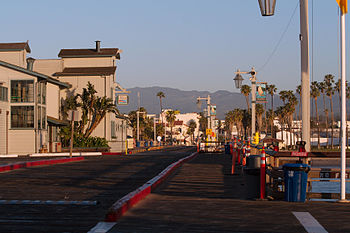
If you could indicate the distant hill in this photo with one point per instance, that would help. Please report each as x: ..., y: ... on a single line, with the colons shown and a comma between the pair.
x: 185, y: 101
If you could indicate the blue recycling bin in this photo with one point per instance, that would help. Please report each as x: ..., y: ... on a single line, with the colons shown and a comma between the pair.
x: 295, y: 181
x: 227, y: 149
x: 151, y: 143
x: 137, y: 144
x: 146, y: 143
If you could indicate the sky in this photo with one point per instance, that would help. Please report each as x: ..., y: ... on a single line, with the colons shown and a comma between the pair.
x: 184, y: 44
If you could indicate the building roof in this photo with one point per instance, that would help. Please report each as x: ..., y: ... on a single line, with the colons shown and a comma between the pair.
x: 87, y: 71
x: 54, y: 121
x: 36, y: 74
x: 104, y: 52
x: 15, y: 46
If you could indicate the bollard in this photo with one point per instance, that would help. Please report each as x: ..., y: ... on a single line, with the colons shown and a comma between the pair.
x: 243, y: 156
x: 248, y: 149
x: 198, y: 147
x: 231, y: 150
x: 238, y: 151
x: 262, y: 174
x: 233, y: 161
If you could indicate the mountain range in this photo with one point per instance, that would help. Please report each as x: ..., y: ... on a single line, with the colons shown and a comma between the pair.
x: 185, y: 101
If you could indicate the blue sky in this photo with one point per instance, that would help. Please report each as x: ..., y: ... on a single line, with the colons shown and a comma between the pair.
x: 185, y: 44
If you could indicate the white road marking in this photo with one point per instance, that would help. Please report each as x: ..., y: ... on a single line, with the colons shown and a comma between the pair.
x: 310, y: 224
x: 102, y: 227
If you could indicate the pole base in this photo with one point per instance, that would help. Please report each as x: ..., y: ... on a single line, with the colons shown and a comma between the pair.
x: 343, y: 201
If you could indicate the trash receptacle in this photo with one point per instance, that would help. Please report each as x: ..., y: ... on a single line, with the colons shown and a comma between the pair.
x: 252, y: 176
x: 151, y: 143
x: 146, y: 143
x: 295, y: 181
x: 137, y: 144
x: 227, y: 149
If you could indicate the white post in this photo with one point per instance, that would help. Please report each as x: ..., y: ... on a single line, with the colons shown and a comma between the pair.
x: 305, y: 73
x: 343, y: 107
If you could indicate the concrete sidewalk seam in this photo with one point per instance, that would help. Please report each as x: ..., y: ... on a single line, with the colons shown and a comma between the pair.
x: 128, y: 201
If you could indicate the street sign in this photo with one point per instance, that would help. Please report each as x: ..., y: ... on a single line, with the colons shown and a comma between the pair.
x: 73, y: 115
x: 122, y: 99
x: 299, y: 154
x: 261, y: 92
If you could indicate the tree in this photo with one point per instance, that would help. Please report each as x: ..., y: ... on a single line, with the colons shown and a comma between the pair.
x: 245, y: 90
x: 322, y: 86
x: 259, y: 113
x: 298, y: 90
x: 337, y: 87
x: 315, y: 93
x: 329, y: 80
x: 161, y: 95
x: 192, y: 125
x: 283, y: 96
x: 271, y: 89
x: 93, y: 110
x: 171, y: 117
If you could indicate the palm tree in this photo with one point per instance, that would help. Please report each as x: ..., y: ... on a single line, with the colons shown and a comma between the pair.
x: 102, y: 106
x: 171, y: 117
x: 192, y: 125
x: 298, y: 90
x: 322, y: 86
x: 315, y: 93
x: 271, y: 89
x: 290, y: 109
x: 337, y: 88
x: 161, y: 95
x: 245, y: 90
x: 329, y: 80
x: 284, y: 96
x: 259, y: 113
x: 281, y: 116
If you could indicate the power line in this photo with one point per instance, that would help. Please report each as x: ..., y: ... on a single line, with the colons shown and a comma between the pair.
x: 280, y: 40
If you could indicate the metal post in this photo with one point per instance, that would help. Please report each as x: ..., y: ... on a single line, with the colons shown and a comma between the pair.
x: 253, y: 80
x: 209, y: 116
x: 305, y: 72
x: 71, y: 136
x: 154, y: 130
x: 138, y: 126
x: 343, y: 107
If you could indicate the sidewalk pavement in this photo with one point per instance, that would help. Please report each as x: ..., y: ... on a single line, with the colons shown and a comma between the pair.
x: 202, y: 196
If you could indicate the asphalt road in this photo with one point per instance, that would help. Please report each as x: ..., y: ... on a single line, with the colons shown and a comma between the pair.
x: 102, y: 180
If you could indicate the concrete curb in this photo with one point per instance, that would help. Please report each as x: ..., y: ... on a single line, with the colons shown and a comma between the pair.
x: 119, y: 208
x: 65, y: 154
x: 10, y: 167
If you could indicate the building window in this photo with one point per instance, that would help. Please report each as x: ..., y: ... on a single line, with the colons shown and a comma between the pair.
x: 43, y: 118
x: 22, y: 116
x: 113, y: 134
x: 3, y: 94
x: 22, y: 91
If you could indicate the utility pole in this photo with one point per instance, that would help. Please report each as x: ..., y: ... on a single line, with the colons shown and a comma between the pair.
x: 305, y: 73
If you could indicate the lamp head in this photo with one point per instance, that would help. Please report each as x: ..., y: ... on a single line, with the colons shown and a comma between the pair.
x: 267, y: 7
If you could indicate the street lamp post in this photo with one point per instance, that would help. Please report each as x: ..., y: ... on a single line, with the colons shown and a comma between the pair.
x: 238, y: 83
x: 208, y: 99
x: 266, y: 10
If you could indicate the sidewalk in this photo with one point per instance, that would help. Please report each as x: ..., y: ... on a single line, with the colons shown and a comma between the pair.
x: 203, y: 197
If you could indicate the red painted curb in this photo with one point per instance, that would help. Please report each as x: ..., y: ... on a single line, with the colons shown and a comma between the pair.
x: 113, y: 153
x: 10, y: 167
x: 128, y: 201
